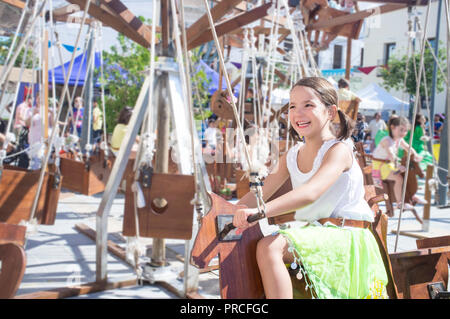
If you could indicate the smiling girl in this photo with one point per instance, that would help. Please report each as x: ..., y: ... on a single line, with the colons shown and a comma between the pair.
x: 336, y: 251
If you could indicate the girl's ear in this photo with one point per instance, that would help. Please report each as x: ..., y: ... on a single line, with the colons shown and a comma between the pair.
x: 332, y: 111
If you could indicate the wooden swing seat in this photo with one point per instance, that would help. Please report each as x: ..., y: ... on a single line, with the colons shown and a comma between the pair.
x: 18, y: 188
x: 174, y: 220
x: 86, y: 179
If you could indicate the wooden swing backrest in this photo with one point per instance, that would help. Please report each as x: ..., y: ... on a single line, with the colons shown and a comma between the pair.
x: 18, y: 189
x: 13, y: 263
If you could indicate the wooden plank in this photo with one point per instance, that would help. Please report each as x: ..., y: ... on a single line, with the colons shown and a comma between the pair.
x: 348, y: 58
x: 353, y: 17
x: 433, y: 242
x: 217, y: 12
x: 10, y: 233
x: 67, y: 292
x: 112, y: 20
x: 230, y: 25
x: 15, y: 3
x: 113, y: 248
x: 130, y: 19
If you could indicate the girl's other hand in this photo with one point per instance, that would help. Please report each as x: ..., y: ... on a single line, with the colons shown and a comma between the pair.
x: 401, y: 168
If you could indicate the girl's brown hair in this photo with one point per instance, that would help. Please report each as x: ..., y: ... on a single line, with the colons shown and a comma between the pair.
x: 397, y: 121
x: 328, y: 96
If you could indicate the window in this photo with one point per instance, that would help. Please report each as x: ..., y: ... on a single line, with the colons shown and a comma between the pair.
x: 388, y: 49
x: 337, y: 57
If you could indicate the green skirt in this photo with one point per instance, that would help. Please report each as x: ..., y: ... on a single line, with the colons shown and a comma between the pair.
x: 338, y: 262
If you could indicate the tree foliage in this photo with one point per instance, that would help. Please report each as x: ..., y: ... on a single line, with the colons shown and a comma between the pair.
x: 393, y: 75
x: 134, y: 59
x: 5, y: 44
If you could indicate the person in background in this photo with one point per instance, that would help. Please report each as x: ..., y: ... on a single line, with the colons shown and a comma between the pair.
x: 22, y: 113
x: 438, y: 126
x: 376, y: 124
x: 97, y: 122
x: 211, y: 136
x: 344, y: 93
x: 419, y: 141
x: 77, y: 120
x: 120, y: 129
x: 360, y: 126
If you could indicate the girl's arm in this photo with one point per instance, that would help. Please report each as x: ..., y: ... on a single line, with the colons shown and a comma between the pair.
x: 272, y: 183
x: 406, y: 147
x: 337, y: 160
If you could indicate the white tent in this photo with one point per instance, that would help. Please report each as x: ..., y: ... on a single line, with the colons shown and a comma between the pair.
x: 376, y: 99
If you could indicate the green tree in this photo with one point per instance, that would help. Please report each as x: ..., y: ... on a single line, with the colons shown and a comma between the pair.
x: 394, y: 74
x: 123, y: 89
x: 135, y: 59
x: 5, y: 44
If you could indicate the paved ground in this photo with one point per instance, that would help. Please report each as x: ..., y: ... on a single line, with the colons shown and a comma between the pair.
x: 60, y: 256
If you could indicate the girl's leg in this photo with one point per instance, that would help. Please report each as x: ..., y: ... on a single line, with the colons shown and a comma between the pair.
x: 275, y: 277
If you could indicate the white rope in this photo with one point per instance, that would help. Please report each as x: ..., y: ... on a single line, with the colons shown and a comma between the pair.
x: 302, y: 65
x: 416, y: 103
x: 258, y: 190
x: 13, y: 43
x: 102, y: 89
x: 8, y: 67
x: 54, y: 131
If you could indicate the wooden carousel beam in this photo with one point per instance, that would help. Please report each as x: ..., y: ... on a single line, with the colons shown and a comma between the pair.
x: 129, y: 18
x: 15, y: 3
x: 112, y: 20
x: 230, y: 25
x: 217, y: 12
x: 354, y: 17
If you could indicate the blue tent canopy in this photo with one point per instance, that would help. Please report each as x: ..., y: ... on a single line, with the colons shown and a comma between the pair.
x: 78, y: 67
x: 213, y: 78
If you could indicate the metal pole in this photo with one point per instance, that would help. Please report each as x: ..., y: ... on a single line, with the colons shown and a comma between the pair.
x: 158, y: 256
x: 444, y: 151
x: 434, y: 79
x: 115, y: 177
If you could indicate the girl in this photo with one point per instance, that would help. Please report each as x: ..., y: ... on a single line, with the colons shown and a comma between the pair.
x: 385, y: 160
x: 337, y: 252
x: 419, y: 141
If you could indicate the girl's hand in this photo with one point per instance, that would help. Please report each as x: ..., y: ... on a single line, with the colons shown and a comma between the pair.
x: 240, y: 219
x: 401, y: 168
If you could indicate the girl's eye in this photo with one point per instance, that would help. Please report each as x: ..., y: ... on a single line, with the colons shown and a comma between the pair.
x: 308, y: 105
x: 291, y: 106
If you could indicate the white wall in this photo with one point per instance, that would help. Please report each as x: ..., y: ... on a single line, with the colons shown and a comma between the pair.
x: 392, y: 27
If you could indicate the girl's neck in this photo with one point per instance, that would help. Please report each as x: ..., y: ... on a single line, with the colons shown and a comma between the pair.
x: 318, y: 140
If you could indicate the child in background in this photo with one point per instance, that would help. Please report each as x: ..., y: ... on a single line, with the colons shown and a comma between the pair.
x: 385, y: 163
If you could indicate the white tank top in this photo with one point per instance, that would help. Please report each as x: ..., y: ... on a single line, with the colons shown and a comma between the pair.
x: 344, y: 199
x: 381, y: 153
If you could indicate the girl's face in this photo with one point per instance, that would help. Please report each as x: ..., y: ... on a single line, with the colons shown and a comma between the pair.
x: 308, y: 115
x: 399, y: 131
